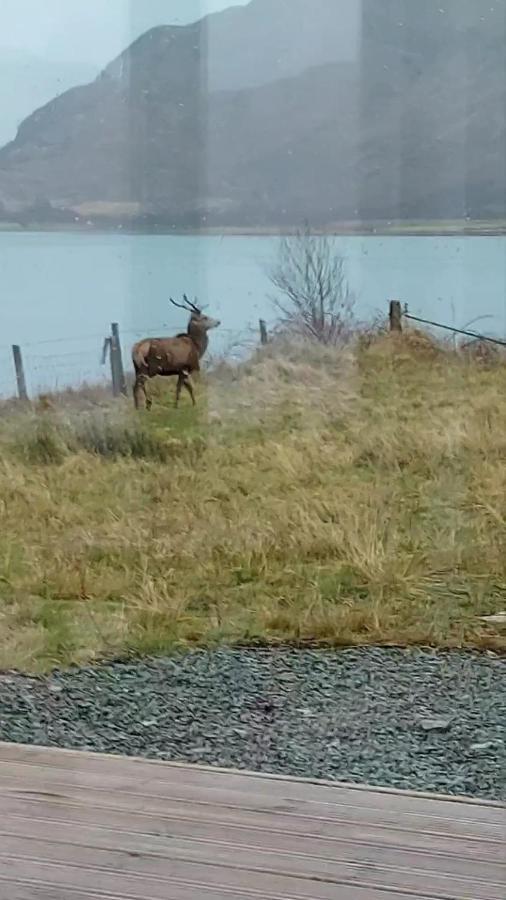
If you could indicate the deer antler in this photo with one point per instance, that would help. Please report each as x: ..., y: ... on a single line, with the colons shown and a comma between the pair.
x: 187, y: 305
x: 190, y: 304
x: 179, y: 305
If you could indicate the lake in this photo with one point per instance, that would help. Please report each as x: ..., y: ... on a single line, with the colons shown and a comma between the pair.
x: 60, y: 292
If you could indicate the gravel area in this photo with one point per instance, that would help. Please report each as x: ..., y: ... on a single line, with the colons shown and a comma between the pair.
x: 417, y: 719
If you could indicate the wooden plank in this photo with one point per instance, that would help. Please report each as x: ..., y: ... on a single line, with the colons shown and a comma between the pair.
x: 89, y: 827
x: 233, y: 824
x: 302, y: 858
x: 13, y: 890
x: 201, y: 879
x: 248, y: 782
x: 434, y: 853
x: 10, y: 890
x: 194, y: 783
x: 232, y: 792
x: 180, y: 799
x: 182, y: 860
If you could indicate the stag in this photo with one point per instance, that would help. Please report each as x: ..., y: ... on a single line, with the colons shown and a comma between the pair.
x: 179, y: 355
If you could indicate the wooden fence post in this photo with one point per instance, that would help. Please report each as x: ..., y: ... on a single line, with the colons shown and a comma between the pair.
x: 264, y: 337
x: 20, y: 372
x: 118, y: 373
x: 106, y: 350
x: 395, y: 316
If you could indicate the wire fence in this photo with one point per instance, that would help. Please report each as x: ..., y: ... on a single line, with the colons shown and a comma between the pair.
x: 57, y: 364
x: 471, y: 334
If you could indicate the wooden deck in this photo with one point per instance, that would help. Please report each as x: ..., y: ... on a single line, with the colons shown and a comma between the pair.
x: 76, y: 826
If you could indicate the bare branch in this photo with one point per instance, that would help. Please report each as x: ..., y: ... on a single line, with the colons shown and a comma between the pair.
x: 313, y: 296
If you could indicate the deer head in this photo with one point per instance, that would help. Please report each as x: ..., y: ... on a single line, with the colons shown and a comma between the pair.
x: 198, y: 320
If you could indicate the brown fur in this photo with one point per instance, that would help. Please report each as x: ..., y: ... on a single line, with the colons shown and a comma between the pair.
x: 179, y: 355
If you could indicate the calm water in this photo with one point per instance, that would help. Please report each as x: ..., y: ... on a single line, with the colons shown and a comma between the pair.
x: 60, y: 292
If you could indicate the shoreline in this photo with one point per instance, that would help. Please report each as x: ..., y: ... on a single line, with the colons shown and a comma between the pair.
x: 472, y: 229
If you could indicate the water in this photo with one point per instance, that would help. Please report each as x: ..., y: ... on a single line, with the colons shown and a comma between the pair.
x: 60, y: 292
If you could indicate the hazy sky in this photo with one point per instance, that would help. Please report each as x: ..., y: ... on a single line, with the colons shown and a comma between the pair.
x: 91, y: 31
x: 48, y: 46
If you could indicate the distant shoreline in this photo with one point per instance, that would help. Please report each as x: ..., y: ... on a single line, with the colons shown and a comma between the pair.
x: 346, y: 229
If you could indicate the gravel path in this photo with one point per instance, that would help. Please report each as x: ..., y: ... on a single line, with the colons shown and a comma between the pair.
x: 387, y: 717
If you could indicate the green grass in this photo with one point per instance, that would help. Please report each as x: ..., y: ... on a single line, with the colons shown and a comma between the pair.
x: 332, y: 496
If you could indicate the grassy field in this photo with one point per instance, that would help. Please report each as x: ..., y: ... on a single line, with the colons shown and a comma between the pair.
x: 349, y: 497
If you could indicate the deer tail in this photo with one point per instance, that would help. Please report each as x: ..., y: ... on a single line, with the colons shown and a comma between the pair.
x: 139, y: 354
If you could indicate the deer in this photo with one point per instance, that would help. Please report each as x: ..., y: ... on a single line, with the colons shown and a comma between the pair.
x: 179, y: 355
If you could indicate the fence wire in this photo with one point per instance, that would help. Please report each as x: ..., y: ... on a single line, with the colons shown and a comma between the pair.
x: 85, y: 364
x: 471, y: 334
x: 50, y: 367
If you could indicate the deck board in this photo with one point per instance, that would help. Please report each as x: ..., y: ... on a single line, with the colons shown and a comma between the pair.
x: 88, y: 826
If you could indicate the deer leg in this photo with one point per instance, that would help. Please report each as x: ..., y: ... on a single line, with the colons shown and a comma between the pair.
x: 189, y: 386
x: 137, y: 391
x: 149, y: 402
x: 140, y: 388
x: 180, y: 382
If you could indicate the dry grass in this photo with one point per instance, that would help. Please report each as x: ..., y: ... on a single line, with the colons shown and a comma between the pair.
x: 323, y: 496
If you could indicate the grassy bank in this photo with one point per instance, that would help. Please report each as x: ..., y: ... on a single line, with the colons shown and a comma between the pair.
x: 349, y: 497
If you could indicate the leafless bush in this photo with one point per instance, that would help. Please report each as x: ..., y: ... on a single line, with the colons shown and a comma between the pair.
x: 313, y: 295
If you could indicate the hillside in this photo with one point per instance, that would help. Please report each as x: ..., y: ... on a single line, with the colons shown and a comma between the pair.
x: 258, y: 116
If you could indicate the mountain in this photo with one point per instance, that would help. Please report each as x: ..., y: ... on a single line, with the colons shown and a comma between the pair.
x: 433, y: 118
x: 275, y: 112
x: 244, y: 46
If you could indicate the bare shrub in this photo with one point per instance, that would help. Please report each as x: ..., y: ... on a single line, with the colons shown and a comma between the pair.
x: 313, y: 298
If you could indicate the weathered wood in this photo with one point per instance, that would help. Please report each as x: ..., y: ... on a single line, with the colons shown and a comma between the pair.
x: 211, y: 776
x: 119, y: 385
x: 20, y: 372
x: 31, y: 891
x: 264, y: 337
x: 199, y: 883
x: 395, y: 315
x: 106, y: 349
x: 153, y: 778
x: 223, y: 803
x: 77, y: 824
x: 190, y: 820
x: 306, y: 848
x: 168, y: 815
x: 234, y: 865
